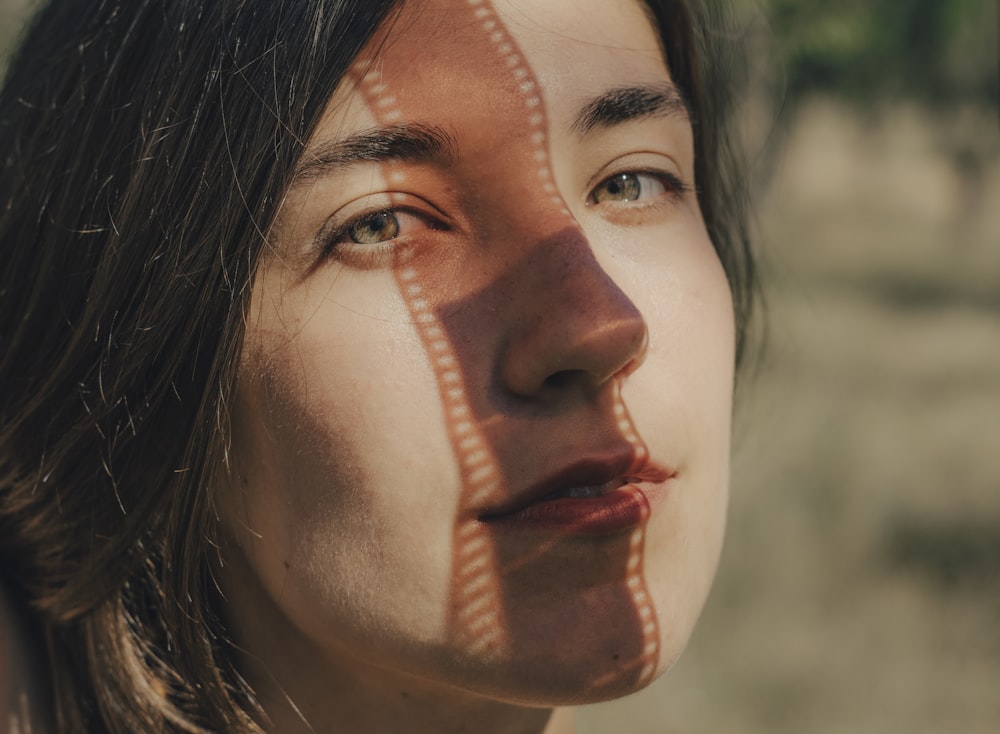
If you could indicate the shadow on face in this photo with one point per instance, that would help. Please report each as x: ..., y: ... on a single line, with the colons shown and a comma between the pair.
x: 442, y: 476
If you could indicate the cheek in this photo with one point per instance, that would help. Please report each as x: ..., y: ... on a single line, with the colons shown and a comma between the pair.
x: 295, y: 478
x: 330, y: 509
x: 681, y: 403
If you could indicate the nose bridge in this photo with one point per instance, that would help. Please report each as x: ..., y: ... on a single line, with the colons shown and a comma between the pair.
x: 572, y: 321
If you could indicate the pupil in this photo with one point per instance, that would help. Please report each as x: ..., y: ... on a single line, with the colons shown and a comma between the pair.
x: 627, y: 186
x: 378, y: 227
x: 623, y: 187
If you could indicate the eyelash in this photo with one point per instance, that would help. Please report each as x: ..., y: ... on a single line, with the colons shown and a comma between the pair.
x: 341, y: 245
x: 673, y: 187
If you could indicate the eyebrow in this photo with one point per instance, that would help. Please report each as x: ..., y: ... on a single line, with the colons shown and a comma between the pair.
x: 622, y: 104
x: 400, y: 142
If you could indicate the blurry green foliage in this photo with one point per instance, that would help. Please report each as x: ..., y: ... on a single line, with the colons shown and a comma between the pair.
x: 936, y: 52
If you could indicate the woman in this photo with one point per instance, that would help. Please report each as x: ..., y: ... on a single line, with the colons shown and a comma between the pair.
x: 367, y: 366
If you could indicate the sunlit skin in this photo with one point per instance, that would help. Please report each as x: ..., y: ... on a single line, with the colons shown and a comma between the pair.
x: 510, y: 281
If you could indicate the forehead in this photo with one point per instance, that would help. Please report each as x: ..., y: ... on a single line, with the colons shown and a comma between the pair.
x: 474, y: 62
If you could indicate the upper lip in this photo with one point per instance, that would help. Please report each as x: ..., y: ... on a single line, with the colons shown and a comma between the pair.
x: 614, y: 470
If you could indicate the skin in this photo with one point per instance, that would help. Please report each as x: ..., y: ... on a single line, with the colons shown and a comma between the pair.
x: 576, y: 315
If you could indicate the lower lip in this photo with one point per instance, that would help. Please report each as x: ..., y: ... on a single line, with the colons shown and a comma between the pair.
x: 623, y: 509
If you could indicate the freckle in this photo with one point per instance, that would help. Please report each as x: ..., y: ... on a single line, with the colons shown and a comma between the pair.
x: 404, y: 694
x: 287, y: 565
x: 616, y: 656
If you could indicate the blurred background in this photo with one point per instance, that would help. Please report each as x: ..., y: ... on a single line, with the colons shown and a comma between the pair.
x: 860, y: 586
x: 859, y: 591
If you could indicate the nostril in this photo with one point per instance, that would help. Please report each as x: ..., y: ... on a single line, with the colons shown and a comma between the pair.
x: 564, y: 378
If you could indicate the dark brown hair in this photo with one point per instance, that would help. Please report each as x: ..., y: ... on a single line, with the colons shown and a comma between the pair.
x: 144, y: 150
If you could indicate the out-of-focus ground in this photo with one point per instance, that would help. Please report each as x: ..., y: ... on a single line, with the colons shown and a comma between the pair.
x: 859, y: 591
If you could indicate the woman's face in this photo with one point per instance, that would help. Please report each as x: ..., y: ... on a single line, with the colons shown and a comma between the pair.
x: 481, y: 431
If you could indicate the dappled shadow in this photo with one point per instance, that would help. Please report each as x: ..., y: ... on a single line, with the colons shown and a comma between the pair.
x: 513, y: 593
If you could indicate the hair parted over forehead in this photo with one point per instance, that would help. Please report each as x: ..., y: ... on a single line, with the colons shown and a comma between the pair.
x: 144, y: 151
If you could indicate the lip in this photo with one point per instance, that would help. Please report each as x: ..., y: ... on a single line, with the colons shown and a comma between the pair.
x: 623, y: 503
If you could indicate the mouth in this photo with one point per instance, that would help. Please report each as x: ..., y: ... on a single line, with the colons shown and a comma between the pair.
x: 594, y: 496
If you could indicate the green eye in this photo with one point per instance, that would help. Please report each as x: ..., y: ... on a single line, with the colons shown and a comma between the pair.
x: 374, y: 228
x: 625, y: 187
x: 622, y: 187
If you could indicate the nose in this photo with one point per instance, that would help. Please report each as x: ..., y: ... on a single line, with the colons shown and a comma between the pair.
x: 573, y: 328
